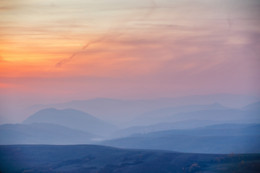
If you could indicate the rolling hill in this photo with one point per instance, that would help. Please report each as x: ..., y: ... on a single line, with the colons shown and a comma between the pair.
x: 72, y: 118
x: 42, y: 133
x: 223, y: 138
x: 187, y: 124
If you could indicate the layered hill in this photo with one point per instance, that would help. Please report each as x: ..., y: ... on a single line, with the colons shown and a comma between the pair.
x: 42, y: 133
x: 73, y: 119
x: 223, y: 138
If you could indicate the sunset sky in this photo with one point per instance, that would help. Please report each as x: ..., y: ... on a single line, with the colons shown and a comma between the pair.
x: 60, y: 50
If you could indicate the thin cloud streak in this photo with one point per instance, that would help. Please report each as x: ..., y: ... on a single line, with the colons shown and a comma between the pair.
x: 67, y: 60
x: 110, y: 32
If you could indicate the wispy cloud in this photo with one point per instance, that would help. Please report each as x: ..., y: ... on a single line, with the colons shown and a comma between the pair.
x: 113, y: 32
x: 86, y: 46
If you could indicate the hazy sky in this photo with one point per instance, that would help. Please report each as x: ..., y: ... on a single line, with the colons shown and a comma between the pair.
x: 54, y: 50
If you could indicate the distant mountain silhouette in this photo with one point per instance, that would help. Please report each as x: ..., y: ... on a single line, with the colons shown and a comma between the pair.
x: 224, y: 138
x: 121, y: 111
x: 227, y: 115
x: 159, y: 115
x: 253, y: 107
x: 42, y: 133
x: 213, y: 112
x: 187, y: 124
x: 73, y: 119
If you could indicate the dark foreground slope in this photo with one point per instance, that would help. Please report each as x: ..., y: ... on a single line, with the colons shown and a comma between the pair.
x: 90, y: 158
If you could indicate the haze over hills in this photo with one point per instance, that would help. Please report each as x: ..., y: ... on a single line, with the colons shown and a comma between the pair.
x: 230, y: 115
x: 121, y: 111
x: 71, y: 118
x: 42, y: 133
x: 160, y: 115
x: 75, y: 121
x: 187, y: 124
x: 253, y: 107
x: 222, y: 138
x: 52, y: 126
x: 213, y: 112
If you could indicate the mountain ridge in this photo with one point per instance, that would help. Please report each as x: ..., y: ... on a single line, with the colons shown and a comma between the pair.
x: 71, y: 118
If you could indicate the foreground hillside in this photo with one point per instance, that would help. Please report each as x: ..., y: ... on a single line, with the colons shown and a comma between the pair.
x: 90, y: 158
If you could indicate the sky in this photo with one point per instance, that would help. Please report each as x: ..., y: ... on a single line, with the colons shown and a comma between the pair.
x: 60, y: 50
